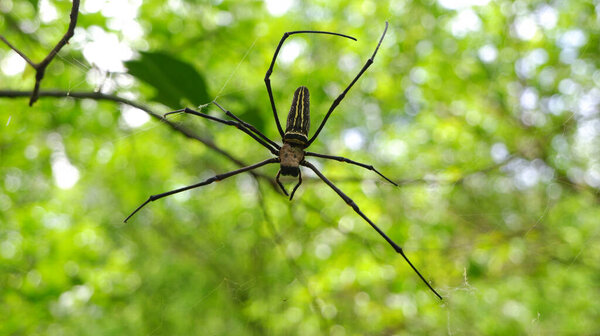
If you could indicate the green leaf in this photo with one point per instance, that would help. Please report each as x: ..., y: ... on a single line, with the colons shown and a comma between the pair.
x: 173, y: 79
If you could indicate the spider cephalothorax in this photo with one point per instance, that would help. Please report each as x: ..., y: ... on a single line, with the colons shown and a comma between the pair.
x: 291, y: 154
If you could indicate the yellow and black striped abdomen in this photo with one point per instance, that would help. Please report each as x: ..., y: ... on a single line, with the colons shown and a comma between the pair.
x: 298, y: 120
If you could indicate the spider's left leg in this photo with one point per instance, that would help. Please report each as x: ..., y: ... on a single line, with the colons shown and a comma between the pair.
x: 270, y: 70
x: 343, y: 159
x: 351, y: 203
x: 236, y: 124
x: 215, y: 178
x: 337, y: 101
x: 248, y: 126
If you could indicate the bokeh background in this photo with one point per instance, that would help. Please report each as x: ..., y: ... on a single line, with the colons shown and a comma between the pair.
x: 485, y: 112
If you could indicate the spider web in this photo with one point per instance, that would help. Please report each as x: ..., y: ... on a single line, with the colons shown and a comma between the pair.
x: 320, y: 301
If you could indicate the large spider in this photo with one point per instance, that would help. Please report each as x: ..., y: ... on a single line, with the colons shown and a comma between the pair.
x: 291, y: 155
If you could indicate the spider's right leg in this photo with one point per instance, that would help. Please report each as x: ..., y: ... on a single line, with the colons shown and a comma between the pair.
x: 351, y: 203
x: 215, y: 178
x: 237, y: 124
x: 270, y: 70
x: 339, y: 99
x: 343, y: 159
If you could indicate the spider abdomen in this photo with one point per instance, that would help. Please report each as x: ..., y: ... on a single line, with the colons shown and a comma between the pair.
x: 298, y: 120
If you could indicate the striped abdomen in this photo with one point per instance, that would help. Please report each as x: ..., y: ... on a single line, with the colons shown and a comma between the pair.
x: 298, y: 120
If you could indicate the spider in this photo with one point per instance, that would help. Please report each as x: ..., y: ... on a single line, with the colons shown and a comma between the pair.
x: 291, y: 154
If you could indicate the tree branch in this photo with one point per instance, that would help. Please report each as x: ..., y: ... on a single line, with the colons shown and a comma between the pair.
x: 101, y: 96
x: 18, y: 52
x: 40, y: 68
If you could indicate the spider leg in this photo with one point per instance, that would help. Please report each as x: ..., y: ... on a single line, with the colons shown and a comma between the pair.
x: 343, y: 159
x: 351, y: 203
x: 337, y: 101
x: 270, y: 70
x: 239, y: 126
x: 279, y: 182
x: 248, y: 126
x: 297, y: 185
x: 215, y: 178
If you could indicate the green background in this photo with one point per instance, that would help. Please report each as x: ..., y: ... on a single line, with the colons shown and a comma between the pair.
x: 487, y: 116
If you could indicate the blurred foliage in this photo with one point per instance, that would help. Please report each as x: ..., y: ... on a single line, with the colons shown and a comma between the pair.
x: 488, y: 115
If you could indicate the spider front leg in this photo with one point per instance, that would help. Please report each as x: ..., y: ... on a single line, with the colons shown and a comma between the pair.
x: 343, y: 159
x: 203, y: 183
x: 355, y: 207
x: 238, y: 125
x: 339, y: 99
x: 270, y: 70
x: 248, y: 126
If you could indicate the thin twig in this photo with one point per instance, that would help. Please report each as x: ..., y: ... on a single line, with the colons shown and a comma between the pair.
x: 101, y: 96
x: 18, y: 51
x: 40, y: 68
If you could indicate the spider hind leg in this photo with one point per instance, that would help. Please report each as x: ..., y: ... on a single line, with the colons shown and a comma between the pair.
x: 356, y: 209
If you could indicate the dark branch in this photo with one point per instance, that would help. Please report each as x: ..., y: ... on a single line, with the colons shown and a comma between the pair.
x: 40, y: 68
x: 18, y: 51
x: 101, y: 96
